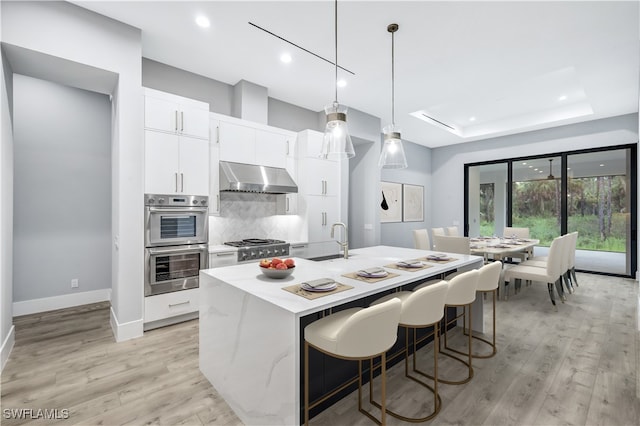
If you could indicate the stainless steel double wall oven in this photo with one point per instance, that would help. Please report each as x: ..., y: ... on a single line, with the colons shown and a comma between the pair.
x: 176, y: 236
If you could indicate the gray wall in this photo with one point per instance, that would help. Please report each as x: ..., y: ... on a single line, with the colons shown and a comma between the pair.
x: 6, y: 212
x: 62, y: 178
x: 418, y: 172
x: 291, y: 117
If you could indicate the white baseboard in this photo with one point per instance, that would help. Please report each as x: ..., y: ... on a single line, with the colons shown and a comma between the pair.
x: 7, y: 346
x: 126, y: 331
x: 35, y: 306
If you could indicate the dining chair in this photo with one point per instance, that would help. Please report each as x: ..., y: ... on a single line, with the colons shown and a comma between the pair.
x: 434, y: 232
x: 551, y: 274
x: 567, y: 247
x: 421, y: 239
x: 453, y: 231
x: 513, y: 232
x: 449, y: 244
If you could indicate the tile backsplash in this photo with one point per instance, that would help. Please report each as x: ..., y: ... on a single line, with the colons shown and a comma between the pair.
x: 249, y: 215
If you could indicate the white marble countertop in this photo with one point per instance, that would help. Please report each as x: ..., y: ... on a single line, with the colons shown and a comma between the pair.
x: 247, y: 277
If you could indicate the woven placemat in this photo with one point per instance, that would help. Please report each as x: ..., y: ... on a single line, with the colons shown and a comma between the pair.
x: 404, y: 268
x: 355, y: 276
x: 311, y: 295
x: 426, y: 259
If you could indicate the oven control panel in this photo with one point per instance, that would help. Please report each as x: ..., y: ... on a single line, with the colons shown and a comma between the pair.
x: 169, y: 200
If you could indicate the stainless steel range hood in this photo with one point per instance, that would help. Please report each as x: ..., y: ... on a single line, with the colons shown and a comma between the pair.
x: 241, y: 177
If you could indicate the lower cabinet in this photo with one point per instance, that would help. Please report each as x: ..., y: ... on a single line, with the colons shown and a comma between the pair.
x: 169, y: 308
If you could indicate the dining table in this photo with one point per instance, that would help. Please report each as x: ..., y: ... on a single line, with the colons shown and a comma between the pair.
x: 499, y: 248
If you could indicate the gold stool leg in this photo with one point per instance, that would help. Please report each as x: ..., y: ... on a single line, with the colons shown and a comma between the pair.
x: 306, y: 383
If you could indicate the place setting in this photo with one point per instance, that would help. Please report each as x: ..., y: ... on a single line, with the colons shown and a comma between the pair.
x: 439, y: 258
x: 371, y: 275
x: 314, y: 289
x: 412, y: 265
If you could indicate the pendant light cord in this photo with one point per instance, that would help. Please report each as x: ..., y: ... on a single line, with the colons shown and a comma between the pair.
x: 336, y: 41
x: 393, y: 84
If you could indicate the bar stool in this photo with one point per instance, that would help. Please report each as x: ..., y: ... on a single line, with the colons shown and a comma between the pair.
x: 462, y: 293
x: 354, y: 334
x: 488, y: 282
x: 420, y: 309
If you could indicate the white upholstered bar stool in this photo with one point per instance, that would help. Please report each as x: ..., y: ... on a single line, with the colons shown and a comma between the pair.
x: 461, y: 294
x: 488, y: 282
x: 354, y: 334
x: 421, y: 308
x: 421, y: 239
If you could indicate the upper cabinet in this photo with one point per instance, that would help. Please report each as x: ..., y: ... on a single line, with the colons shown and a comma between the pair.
x: 176, y: 141
x: 175, y: 114
x: 253, y: 143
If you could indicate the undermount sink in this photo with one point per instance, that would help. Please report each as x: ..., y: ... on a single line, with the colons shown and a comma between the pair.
x: 329, y: 257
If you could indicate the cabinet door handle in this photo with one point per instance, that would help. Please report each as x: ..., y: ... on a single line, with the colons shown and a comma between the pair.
x: 229, y: 253
x: 176, y: 176
x: 176, y: 126
x: 171, y: 305
x: 287, y: 147
x: 218, y: 202
x: 287, y: 208
x: 181, y: 182
x: 182, y: 121
x: 218, y: 134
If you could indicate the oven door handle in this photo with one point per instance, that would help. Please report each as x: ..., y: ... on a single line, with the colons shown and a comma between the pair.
x: 178, y: 210
x: 164, y: 250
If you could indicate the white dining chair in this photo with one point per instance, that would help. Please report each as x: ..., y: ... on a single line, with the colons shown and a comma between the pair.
x: 513, y: 232
x: 449, y: 244
x: 421, y: 239
x: 551, y: 274
x: 453, y: 231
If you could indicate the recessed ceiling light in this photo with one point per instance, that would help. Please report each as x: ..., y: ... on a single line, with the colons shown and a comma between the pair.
x: 286, y: 58
x: 601, y: 165
x: 536, y: 169
x: 562, y: 98
x: 524, y: 164
x: 472, y: 119
x: 342, y: 83
x: 203, y: 21
x: 540, y: 171
x: 531, y: 167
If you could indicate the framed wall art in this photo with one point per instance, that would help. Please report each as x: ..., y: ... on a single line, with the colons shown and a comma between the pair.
x: 391, y: 202
x: 413, y: 203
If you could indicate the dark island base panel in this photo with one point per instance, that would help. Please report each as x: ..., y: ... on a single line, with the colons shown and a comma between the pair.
x: 327, y: 373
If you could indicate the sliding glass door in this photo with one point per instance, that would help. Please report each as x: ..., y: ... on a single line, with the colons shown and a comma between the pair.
x: 591, y: 192
x: 599, y: 208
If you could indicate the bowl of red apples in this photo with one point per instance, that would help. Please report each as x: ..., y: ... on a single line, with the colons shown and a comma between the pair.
x: 277, y: 268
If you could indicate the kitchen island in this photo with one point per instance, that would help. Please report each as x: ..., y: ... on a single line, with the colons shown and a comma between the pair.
x: 250, y: 327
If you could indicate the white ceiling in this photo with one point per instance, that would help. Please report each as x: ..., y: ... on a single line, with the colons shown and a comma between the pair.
x: 504, y: 63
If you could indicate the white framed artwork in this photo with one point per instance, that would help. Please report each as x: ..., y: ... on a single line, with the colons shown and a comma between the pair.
x: 391, y: 202
x: 413, y: 203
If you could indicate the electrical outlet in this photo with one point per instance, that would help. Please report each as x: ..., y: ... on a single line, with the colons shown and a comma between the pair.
x: 74, y: 283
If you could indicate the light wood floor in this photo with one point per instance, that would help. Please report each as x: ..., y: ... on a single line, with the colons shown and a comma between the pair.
x: 575, y: 366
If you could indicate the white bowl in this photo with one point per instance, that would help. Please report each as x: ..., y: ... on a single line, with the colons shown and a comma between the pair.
x: 277, y: 273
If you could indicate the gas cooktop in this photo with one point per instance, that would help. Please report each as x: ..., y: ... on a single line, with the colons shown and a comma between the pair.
x: 258, y: 248
x: 253, y: 242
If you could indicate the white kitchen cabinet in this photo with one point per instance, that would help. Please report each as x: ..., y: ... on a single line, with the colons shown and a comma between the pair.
x: 319, y: 185
x: 237, y: 142
x: 214, y: 171
x: 175, y: 164
x: 271, y: 149
x: 170, y: 113
x: 167, y: 306
x: 322, y: 212
x: 223, y: 258
x: 321, y: 177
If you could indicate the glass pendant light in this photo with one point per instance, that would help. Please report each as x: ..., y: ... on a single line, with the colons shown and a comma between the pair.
x: 392, y: 155
x: 337, y: 142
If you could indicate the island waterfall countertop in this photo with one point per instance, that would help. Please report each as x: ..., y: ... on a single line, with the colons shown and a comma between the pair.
x: 251, y: 328
x: 247, y: 277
